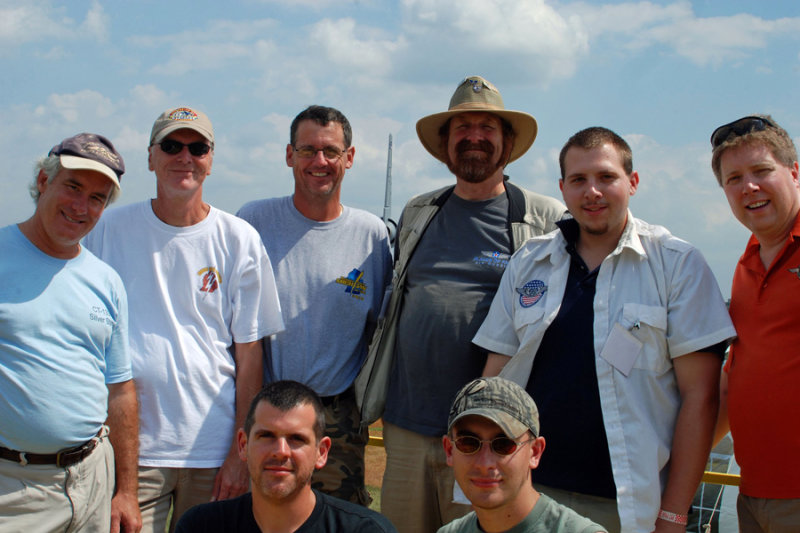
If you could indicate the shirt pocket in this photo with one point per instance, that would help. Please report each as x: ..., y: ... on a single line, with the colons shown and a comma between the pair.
x: 648, y: 323
x: 526, y: 318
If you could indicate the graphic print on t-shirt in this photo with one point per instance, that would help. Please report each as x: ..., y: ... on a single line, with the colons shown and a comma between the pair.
x: 355, y: 287
x: 210, y: 279
x: 492, y: 259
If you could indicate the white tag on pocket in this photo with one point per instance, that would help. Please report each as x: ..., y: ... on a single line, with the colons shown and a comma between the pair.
x: 621, y: 349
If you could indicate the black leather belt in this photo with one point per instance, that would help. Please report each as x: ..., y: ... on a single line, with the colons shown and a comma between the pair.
x: 345, y: 394
x: 64, y: 458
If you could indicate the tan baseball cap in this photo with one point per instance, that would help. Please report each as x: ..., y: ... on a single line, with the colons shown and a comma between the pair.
x: 182, y: 118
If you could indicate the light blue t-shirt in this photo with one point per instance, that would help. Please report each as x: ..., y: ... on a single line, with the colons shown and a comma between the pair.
x: 331, y: 278
x: 63, y: 339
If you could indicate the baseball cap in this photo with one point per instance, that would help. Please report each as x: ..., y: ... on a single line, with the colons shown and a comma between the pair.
x: 89, y: 151
x: 502, y: 401
x: 182, y: 118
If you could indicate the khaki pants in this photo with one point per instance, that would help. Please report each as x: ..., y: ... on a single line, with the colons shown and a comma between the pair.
x: 417, y: 493
x: 768, y: 515
x: 52, y: 498
x: 602, y: 511
x: 180, y: 488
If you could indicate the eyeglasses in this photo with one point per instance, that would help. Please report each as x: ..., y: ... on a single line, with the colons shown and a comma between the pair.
x: 469, y: 445
x: 331, y: 153
x: 172, y: 147
x: 739, y: 127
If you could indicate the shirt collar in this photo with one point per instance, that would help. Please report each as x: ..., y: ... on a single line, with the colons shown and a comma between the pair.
x: 753, y: 246
x: 629, y: 238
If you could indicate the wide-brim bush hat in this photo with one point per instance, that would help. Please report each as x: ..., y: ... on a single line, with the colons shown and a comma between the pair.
x: 477, y: 94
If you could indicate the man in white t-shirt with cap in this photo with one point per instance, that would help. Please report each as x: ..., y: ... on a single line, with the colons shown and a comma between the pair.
x: 202, y: 296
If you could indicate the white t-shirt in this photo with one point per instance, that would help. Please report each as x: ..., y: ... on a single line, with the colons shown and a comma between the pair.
x: 193, y: 292
x: 655, y: 287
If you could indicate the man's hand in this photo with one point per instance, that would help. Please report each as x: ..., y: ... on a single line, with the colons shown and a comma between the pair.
x: 125, y: 516
x: 232, y: 479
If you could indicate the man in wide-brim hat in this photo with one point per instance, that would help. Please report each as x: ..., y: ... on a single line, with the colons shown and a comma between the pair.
x: 452, y: 247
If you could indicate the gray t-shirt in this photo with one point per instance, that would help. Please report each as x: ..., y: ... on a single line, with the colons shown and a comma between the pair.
x: 331, y: 278
x: 547, y: 516
x: 452, y: 278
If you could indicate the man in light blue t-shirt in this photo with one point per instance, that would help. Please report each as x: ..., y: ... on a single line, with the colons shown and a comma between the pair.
x: 65, y: 370
x: 331, y: 265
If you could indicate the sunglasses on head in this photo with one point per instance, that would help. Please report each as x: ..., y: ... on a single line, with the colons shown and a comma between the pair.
x: 739, y: 127
x: 172, y: 147
x: 469, y: 445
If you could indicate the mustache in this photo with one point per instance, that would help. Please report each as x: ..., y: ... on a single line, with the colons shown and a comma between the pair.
x: 278, y: 463
x: 482, y: 145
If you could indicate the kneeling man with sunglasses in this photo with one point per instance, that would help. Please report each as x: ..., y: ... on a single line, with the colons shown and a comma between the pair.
x: 496, y: 478
x: 202, y: 296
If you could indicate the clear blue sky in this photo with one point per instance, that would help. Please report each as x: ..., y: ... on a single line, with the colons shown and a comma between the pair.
x: 662, y: 74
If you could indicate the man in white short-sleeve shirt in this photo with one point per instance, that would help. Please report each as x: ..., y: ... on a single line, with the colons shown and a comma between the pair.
x: 616, y: 328
x: 202, y: 296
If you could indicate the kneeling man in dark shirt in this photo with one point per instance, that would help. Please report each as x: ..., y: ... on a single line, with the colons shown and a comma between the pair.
x: 283, y: 443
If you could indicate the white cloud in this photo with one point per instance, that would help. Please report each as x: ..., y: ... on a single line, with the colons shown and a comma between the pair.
x: 97, y: 22
x: 703, y: 41
x: 536, y: 43
x: 39, y: 21
x: 370, y: 52
x: 83, y: 105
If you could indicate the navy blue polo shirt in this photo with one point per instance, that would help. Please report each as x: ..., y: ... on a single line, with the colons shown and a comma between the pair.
x: 563, y: 383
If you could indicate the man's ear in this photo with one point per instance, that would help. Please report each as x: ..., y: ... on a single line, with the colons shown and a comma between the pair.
x: 241, y: 439
x: 323, y: 447
x: 349, y: 156
x: 448, y: 449
x: 537, y: 449
x: 41, y: 181
x: 289, y: 156
x: 634, y: 181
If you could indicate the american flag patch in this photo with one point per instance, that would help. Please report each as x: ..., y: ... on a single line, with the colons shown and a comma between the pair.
x: 531, y: 292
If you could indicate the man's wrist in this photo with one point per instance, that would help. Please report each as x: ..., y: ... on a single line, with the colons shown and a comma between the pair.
x: 675, y: 518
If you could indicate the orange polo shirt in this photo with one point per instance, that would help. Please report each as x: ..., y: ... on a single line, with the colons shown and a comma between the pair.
x: 764, y: 371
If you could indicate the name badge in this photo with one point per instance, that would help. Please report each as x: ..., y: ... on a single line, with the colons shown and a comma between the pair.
x: 621, y: 349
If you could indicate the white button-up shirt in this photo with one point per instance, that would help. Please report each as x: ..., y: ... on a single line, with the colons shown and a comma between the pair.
x: 656, y: 287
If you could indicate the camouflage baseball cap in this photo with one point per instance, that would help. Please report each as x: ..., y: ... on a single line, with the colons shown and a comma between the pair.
x: 502, y: 401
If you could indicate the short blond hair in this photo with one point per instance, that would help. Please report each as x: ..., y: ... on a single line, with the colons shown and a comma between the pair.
x: 773, y: 137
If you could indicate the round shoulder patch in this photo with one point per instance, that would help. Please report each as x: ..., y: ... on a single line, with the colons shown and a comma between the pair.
x: 531, y: 292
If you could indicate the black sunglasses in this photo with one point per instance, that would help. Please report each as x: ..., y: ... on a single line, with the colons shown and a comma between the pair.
x: 172, y: 147
x: 739, y: 127
x: 469, y: 445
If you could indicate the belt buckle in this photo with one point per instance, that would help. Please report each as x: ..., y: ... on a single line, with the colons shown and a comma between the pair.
x: 64, y: 454
x: 66, y: 458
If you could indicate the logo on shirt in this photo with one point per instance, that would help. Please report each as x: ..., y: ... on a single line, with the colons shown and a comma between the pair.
x: 355, y: 287
x: 210, y: 279
x: 531, y: 292
x: 795, y: 271
x: 492, y: 259
x: 101, y: 314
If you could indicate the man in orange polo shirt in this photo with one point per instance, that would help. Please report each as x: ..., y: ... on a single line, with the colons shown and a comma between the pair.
x: 755, y: 162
